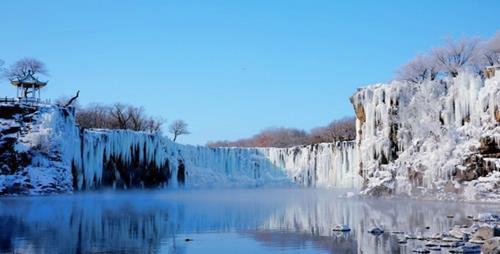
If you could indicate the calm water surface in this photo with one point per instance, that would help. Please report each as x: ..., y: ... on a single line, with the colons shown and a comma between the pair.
x: 219, y: 221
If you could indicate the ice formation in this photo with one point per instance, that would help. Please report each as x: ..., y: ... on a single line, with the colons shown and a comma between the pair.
x: 435, y: 137
x: 96, y: 158
x: 439, y: 138
x: 324, y: 165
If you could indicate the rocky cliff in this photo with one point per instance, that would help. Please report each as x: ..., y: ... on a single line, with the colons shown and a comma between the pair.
x: 438, y: 138
x: 44, y: 151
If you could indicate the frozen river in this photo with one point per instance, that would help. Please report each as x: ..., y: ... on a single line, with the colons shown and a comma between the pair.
x: 220, y: 221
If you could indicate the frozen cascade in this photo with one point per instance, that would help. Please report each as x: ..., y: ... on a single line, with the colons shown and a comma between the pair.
x: 326, y: 165
x: 129, y: 157
x: 416, y: 136
x: 129, y: 147
x: 62, y: 154
x: 431, y: 138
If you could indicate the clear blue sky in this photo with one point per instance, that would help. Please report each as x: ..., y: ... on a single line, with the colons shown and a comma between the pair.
x: 230, y: 68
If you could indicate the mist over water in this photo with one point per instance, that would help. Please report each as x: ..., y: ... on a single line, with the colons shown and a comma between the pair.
x: 218, y: 221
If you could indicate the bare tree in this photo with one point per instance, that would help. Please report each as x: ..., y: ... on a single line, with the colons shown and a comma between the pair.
x: 94, y: 116
x: 456, y: 56
x: 418, y: 70
x: 120, y: 116
x: 117, y: 116
x: 137, y: 118
x: 338, y: 130
x: 177, y: 128
x: 490, y: 51
x: 25, y: 66
x: 153, y: 125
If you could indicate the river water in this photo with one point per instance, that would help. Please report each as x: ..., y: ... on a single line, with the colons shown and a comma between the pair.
x: 220, y: 221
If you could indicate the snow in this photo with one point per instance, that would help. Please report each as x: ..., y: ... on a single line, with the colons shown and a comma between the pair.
x: 412, y: 139
x: 63, y: 154
x: 420, y: 133
x: 325, y: 165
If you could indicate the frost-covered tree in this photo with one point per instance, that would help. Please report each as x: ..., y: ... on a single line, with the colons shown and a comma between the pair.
x: 490, y: 51
x: 22, y: 67
x: 419, y: 69
x: 177, y: 128
x: 457, y: 55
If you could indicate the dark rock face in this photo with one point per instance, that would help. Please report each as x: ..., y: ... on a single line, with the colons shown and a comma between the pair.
x: 380, y: 191
x: 181, y: 173
x: 11, y: 129
x: 117, y: 173
x: 11, y: 160
x: 477, y: 164
x: 12, y: 111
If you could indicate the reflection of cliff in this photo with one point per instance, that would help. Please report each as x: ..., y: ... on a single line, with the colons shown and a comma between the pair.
x: 140, y: 223
x: 314, y: 219
x: 290, y: 240
x: 158, y: 221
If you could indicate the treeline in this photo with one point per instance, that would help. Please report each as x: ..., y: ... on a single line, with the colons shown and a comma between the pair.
x: 117, y: 116
x: 465, y: 54
x: 338, y: 130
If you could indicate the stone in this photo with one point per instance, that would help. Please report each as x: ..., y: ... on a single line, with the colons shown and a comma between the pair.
x: 376, y: 231
x: 341, y: 228
x: 421, y: 250
x: 483, y: 233
x: 492, y: 246
x: 467, y: 248
x: 360, y: 113
x: 457, y: 233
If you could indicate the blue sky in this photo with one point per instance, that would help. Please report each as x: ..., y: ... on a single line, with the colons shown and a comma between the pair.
x: 230, y: 68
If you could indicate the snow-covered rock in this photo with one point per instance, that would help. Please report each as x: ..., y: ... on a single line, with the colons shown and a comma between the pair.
x: 44, y: 151
x: 438, y: 138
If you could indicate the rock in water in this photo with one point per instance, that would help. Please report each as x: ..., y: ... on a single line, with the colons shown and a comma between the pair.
x: 483, y: 233
x: 421, y: 250
x: 492, y: 246
x: 457, y: 233
x: 341, y: 228
x: 376, y: 231
x: 467, y: 248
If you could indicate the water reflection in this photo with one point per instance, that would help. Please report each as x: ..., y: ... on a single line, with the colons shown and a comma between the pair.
x: 246, y: 221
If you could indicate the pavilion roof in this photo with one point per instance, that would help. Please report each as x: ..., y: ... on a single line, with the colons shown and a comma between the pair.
x: 28, y: 80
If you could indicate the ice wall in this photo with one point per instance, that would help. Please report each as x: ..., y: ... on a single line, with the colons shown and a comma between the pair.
x: 326, y: 165
x: 58, y: 153
x: 419, y: 137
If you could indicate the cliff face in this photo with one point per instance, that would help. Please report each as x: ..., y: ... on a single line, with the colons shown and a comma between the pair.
x: 35, y: 143
x: 439, y: 137
x: 44, y: 151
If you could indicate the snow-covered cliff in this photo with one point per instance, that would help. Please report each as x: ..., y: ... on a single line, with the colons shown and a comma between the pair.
x: 50, y: 153
x: 439, y: 137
